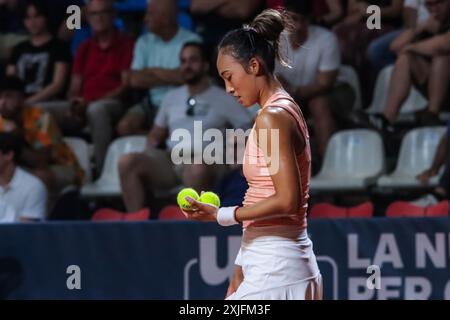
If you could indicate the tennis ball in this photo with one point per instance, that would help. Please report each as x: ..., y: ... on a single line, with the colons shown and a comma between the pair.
x: 181, y: 198
x: 210, y: 198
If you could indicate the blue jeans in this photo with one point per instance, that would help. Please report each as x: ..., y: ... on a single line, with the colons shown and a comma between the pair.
x: 379, y: 53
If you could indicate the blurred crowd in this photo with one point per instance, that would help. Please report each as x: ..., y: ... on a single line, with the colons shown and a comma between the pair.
x: 150, y: 70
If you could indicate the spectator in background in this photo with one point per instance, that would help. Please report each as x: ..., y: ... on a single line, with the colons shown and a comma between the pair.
x: 423, y: 60
x: 23, y: 197
x: 379, y: 51
x: 155, y: 65
x: 45, y: 153
x: 441, y: 157
x: 198, y: 100
x: 214, y: 18
x: 99, y: 80
x: 43, y: 62
x: 353, y: 34
x: 313, y: 53
x: 11, y: 28
x: 325, y: 12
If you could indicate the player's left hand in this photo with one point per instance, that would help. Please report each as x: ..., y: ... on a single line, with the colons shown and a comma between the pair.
x: 201, y: 211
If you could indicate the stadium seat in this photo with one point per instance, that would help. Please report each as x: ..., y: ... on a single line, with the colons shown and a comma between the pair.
x: 349, y: 75
x: 404, y: 209
x: 81, y: 150
x: 114, y: 215
x: 416, y: 155
x: 353, y: 160
x: 107, y: 215
x: 171, y: 212
x: 438, y: 210
x: 326, y: 210
x: 413, y: 103
x: 141, y: 215
x: 108, y: 185
x: 364, y: 210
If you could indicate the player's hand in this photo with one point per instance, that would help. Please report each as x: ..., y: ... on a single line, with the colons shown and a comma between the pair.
x: 201, y: 211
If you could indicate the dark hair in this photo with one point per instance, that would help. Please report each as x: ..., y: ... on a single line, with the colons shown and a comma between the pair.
x: 11, y: 142
x: 200, y: 47
x: 301, y: 7
x: 41, y: 8
x: 260, y: 38
x: 12, y: 83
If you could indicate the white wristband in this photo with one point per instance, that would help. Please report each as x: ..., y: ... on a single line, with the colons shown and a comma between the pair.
x: 226, y: 216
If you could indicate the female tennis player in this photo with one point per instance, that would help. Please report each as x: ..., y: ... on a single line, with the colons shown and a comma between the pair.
x: 276, y: 259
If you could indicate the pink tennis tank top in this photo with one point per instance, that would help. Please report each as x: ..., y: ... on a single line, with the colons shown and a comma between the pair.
x: 257, y: 173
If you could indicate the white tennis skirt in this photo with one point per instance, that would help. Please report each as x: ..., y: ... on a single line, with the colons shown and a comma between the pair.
x: 278, y: 263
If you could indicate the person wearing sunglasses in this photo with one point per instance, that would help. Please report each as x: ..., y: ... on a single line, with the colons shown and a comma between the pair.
x: 197, y: 102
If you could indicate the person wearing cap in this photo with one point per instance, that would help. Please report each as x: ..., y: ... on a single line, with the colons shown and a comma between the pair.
x: 45, y: 153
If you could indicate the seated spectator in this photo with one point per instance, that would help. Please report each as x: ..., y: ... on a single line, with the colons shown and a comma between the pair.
x: 155, y: 65
x: 440, y: 158
x: 45, y: 154
x: 23, y: 197
x: 353, y: 34
x: 197, y: 101
x: 313, y: 54
x: 11, y: 27
x: 214, y: 18
x: 42, y: 62
x: 99, y: 80
x: 423, y: 60
x: 232, y: 187
x: 379, y: 51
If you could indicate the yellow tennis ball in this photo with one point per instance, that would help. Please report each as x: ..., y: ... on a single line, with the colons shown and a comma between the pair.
x: 210, y: 198
x: 181, y: 198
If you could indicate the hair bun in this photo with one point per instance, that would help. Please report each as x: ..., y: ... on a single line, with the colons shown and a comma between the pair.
x: 269, y: 24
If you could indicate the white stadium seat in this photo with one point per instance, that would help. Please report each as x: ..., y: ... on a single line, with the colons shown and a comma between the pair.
x: 353, y: 161
x: 348, y: 74
x: 416, y: 155
x: 108, y: 185
x: 81, y: 150
x: 413, y: 103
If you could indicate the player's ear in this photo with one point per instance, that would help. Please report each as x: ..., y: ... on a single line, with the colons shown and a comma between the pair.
x: 254, y: 66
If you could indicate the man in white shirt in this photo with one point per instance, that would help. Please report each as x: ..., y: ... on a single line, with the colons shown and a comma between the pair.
x: 197, y: 102
x: 23, y: 197
x: 155, y: 65
x: 314, y: 56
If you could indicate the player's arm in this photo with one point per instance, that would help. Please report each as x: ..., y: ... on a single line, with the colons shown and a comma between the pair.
x: 282, y: 164
x: 280, y: 155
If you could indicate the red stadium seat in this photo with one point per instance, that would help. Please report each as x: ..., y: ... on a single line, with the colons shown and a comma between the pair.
x: 404, y: 209
x: 114, y: 215
x: 438, y: 210
x: 364, y: 210
x: 171, y: 212
x: 141, y: 215
x: 326, y: 210
x: 107, y: 215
